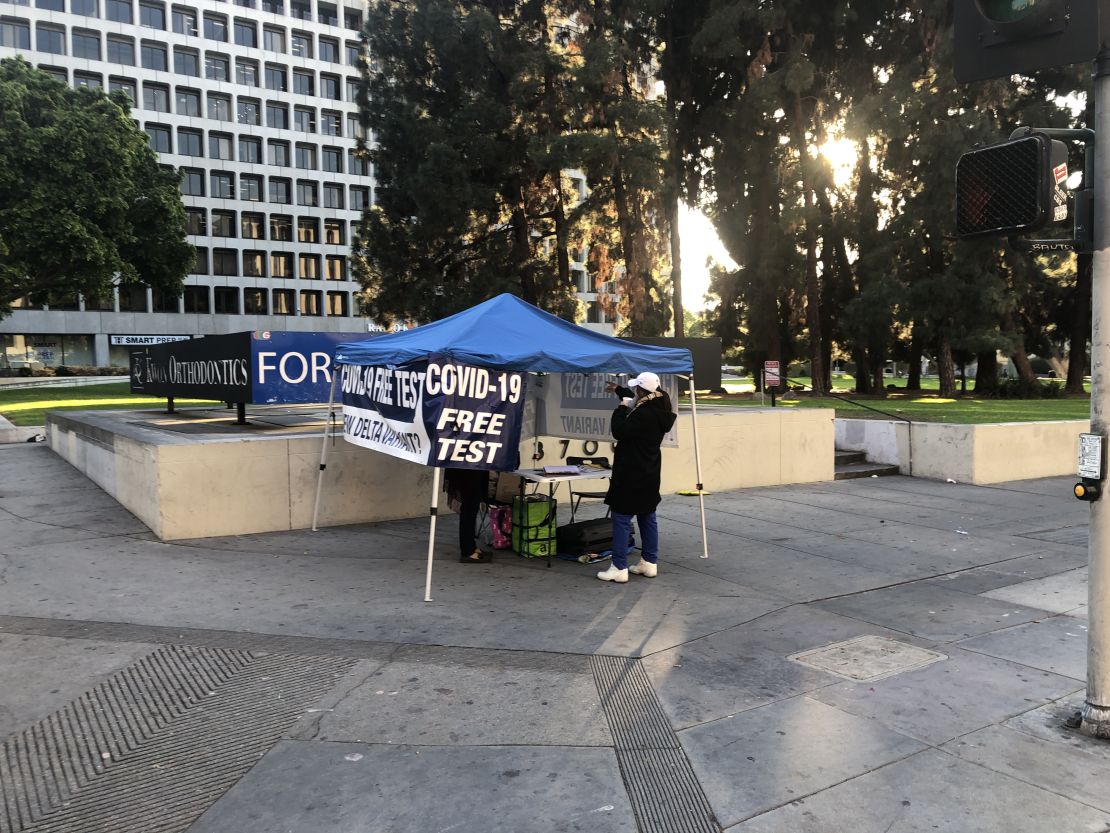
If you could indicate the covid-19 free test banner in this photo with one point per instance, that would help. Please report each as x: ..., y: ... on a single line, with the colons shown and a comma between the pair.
x: 436, y: 412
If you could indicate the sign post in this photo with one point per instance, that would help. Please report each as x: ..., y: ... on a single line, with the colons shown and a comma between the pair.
x: 771, y: 378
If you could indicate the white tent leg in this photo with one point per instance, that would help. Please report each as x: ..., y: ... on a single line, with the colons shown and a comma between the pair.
x: 324, y: 448
x: 697, y: 467
x: 436, y: 474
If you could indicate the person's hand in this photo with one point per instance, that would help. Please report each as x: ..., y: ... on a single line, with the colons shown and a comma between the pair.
x: 610, y: 387
x: 627, y: 401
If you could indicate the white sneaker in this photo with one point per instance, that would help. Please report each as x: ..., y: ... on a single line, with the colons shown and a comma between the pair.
x: 613, y: 574
x: 645, y: 568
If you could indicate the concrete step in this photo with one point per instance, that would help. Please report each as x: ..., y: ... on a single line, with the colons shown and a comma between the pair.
x: 851, y: 471
x: 844, y: 458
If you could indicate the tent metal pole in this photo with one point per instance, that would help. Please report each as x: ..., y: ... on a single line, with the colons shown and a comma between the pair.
x: 324, y: 447
x: 437, y: 473
x: 697, y: 466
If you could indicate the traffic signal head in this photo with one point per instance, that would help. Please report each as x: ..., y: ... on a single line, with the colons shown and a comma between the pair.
x: 1012, y: 187
x: 997, y: 38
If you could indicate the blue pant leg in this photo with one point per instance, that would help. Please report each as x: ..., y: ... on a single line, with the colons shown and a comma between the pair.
x: 622, y: 525
x: 649, y: 537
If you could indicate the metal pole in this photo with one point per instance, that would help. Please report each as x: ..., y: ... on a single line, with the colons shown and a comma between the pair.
x: 697, y: 468
x: 324, y: 448
x: 1096, y: 712
x: 436, y: 474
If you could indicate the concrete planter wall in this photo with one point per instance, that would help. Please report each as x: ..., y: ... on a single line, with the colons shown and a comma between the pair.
x: 185, y: 486
x: 988, y: 453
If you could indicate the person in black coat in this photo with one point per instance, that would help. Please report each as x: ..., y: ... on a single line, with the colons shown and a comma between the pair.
x: 639, y: 424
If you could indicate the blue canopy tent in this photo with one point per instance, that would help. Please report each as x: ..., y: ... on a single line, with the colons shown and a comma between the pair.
x: 506, y: 333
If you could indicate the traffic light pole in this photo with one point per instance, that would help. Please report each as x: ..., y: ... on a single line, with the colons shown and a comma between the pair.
x: 1096, y: 712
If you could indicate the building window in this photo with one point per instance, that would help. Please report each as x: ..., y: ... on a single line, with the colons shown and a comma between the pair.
x: 132, y: 298
x: 277, y: 115
x: 280, y: 191
x: 192, y: 182
x: 164, y: 302
x: 360, y: 197
x: 224, y: 262
x: 329, y: 50
x: 306, y: 157
x: 246, y: 4
x: 252, y: 226
x: 254, y: 300
x: 308, y: 230
x: 217, y: 67
x: 352, y: 89
x: 246, y: 33
x: 310, y: 298
x: 329, y: 87
x: 354, y: 127
x: 159, y: 138
x: 302, y: 82
x: 86, y: 45
x: 50, y: 39
x: 273, y: 39
x: 250, y: 150
x: 336, y: 268
x: 248, y: 111
x: 156, y: 97
x: 196, y: 221
x: 152, y: 15
x: 183, y: 21
x: 301, y: 11
x: 246, y: 72
x: 121, y: 50
x: 250, y: 188
x: 335, y: 232
x: 118, y: 10
x: 196, y: 299
x: 337, y: 304
x: 227, y: 297
x: 276, y: 78
x: 154, y: 56
x: 57, y: 73
x: 223, y: 223
x: 302, y: 44
x: 354, y: 53
x: 281, y: 266
x: 254, y: 264
x: 304, y: 119
x: 281, y: 227
x: 273, y: 6
x: 279, y: 153
x: 190, y: 142
x: 88, y: 80
x: 333, y: 195
x: 219, y: 107
x: 307, y: 193
x: 333, y: 160
x: 352, y: 20
x: 15, y: 34
x: 283, y: 299
x: 188, y: 102
x: 223, y: 185
x: 88, y: 8
x: 186, y: 62
x: 357, y: 164
x: 125, y: 85
x: 330, y: 124
x: 215, y: 27
x: 326, y: 14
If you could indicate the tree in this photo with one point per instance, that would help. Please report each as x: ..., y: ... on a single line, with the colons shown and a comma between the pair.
x: 83, y: 199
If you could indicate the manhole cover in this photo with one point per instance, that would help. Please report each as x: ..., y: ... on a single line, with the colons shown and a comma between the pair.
x: 867, y: 658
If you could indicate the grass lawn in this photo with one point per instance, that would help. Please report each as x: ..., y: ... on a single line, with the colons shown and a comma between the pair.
x: 28, y: 406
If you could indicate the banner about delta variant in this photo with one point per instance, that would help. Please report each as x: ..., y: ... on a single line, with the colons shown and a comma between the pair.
x: 436, y: 412
x: 576, y: 406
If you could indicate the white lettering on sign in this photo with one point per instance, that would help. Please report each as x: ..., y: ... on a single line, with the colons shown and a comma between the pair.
x: 138, y: 341
x: 294, y: 368
x: 771, y: 375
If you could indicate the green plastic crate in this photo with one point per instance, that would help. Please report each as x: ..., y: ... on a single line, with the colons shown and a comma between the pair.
x: 534, y: 525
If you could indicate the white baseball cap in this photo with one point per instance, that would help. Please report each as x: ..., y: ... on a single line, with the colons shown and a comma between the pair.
x: 646, y: 380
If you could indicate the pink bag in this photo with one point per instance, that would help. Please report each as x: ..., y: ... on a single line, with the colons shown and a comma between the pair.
x: 501, y: 527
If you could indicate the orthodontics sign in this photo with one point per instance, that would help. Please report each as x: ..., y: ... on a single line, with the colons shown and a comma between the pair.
x: 436, y: 412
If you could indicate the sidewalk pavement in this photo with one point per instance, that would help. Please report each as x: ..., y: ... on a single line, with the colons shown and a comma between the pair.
x: 296, y: 681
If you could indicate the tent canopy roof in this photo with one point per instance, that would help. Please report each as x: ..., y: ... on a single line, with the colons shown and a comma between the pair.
x: 506, y: 333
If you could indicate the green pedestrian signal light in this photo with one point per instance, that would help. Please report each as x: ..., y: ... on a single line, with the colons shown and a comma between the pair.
x: 1012, y: 187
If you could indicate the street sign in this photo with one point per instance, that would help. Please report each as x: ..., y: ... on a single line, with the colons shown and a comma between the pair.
x: 771, y: 377
x: 1090, y: 456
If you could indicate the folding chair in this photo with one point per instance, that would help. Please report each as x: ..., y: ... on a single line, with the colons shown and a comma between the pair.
x: 577, y: 497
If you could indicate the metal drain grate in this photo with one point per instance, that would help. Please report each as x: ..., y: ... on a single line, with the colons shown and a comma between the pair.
x: 153, y: 746
x: 665, y: 794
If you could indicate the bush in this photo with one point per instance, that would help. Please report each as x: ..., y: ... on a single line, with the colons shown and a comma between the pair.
x: 1020, y: 389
